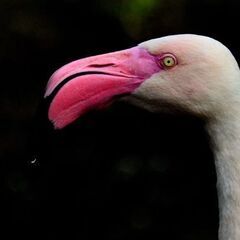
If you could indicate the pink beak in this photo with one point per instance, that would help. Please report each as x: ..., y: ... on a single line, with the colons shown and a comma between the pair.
x: 93, y: 82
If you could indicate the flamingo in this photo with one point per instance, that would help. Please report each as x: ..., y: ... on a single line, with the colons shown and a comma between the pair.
x: 188, y: 73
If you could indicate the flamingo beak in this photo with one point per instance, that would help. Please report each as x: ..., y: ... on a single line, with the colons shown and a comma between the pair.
x: 94, y: 82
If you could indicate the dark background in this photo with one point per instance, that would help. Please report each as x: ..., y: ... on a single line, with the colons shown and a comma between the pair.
x: 121, y: 173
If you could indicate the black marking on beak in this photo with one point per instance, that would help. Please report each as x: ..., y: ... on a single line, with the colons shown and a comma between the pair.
x: 63, y: 82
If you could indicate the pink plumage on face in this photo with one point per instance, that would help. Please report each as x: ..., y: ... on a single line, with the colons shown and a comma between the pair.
x: 182, y: 70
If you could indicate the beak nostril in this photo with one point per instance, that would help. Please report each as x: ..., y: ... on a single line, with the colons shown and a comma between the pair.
x: 101, y: 65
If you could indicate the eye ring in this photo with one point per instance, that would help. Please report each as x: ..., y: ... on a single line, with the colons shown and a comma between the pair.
x: 168, y: 61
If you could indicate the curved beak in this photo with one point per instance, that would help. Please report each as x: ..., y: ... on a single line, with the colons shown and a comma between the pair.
x: 94, y: 82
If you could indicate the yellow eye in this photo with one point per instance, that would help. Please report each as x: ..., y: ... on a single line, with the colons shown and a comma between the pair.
x: 168, y: 61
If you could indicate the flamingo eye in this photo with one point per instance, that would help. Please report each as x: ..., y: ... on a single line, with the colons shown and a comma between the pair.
x: 168, y: 61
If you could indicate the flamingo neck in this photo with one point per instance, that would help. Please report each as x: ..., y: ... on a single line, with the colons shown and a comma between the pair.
x: 225, y: 136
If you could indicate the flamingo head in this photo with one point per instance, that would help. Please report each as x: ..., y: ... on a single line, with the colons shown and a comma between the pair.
x: 191, y: 73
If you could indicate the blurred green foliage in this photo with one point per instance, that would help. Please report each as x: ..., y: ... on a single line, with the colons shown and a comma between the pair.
x: 140, y: 17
